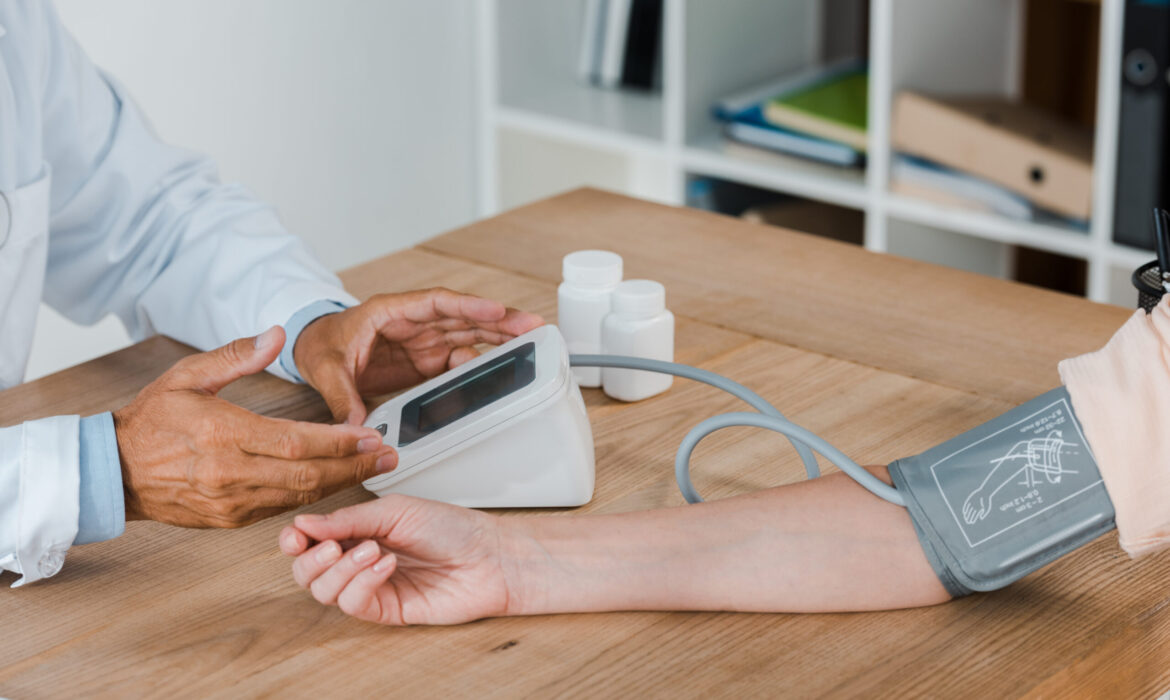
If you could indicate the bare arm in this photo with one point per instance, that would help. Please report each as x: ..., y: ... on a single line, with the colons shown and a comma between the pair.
x: 817, y: 546
x: 821, y: 545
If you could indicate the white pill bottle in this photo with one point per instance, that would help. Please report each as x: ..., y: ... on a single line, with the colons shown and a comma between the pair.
x: 583, y: 301
x: 638, y: 325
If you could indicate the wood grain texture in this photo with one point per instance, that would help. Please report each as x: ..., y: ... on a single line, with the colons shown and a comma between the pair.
x: 949, y: 327
x: 194, y: 613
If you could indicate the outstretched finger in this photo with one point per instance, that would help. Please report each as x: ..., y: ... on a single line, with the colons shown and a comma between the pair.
x: 284, y: 483
x: 337, y: 386
x: 299, y: 440
x: 360, y: 597
x: 473, y: 336
x: 517, y: 322
x: 460, y: 355
x: 211, y: 371
x: 456, y: 324
x: 430, y: 305
x: 513, y: 323
x: 433, y: 304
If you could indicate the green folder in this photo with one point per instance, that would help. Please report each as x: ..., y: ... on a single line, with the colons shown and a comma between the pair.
x: 835, y: 108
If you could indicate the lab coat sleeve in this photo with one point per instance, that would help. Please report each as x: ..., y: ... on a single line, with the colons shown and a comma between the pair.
x: 146, y: 231
x: 38, y: 495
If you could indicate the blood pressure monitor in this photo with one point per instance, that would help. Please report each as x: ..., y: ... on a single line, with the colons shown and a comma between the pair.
x: 507, y: 429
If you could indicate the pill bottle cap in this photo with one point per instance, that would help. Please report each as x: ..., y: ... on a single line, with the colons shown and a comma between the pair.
x: 641, y: 298
x: 595, y: 269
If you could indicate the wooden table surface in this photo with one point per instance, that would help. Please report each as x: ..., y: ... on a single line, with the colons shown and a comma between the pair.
x: 882, y: 355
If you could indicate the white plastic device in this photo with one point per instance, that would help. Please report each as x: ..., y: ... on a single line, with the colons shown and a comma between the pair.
x: 505, y: 430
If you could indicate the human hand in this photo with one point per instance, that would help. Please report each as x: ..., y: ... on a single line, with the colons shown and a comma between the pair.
x: 195, y: 460
x: 409, y: 561
x: 393, y: 341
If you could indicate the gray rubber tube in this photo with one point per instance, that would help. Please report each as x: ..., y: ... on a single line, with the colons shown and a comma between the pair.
x: 768, y: 418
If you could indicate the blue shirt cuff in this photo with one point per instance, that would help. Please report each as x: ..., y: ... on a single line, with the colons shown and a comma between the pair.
x: 101, y: 503
x: 296, y: 324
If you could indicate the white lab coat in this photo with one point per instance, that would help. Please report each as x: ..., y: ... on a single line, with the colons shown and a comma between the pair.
x: 97, y: 216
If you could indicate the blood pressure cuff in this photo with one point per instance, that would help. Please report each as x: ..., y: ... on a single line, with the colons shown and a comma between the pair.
x: 1006, y: 498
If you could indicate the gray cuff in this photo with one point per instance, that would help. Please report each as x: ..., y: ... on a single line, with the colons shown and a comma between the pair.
x: 1007, y: 497
x: 944, y: 573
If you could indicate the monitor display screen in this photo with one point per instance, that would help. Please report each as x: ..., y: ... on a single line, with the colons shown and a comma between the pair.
x: 467, y: 394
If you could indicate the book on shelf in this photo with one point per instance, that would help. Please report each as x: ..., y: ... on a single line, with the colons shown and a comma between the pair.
x: 744, y: 120
x: 793, y: 143
x: 728, y: 107
x: 643, y: 35
x: 1023, y: 149
x: 923, y: 179
x: 617, y: 21
x: 592, y: 40
x: 832, y: 103
x: 620, y: 43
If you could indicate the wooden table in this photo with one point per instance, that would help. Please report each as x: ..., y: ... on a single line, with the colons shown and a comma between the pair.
x: 885, y: 356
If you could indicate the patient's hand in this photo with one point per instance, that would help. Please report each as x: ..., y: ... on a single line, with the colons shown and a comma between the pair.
x: 815, y: 546
x: 401, y: 560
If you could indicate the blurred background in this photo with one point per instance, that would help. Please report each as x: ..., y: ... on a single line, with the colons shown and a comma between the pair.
x: 1023, y: 139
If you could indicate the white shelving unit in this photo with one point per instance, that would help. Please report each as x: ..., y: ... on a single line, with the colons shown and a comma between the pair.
x: 544, y: 130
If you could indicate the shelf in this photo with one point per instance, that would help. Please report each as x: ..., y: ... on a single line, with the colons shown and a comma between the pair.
x: 640, y: 143
x: 577, y: 132
x: 712, y: 154
x: 911, y: 239
x: 531, y: 164
x: 570, y: 106
x: 537, y: 83
x: 1051, y: 237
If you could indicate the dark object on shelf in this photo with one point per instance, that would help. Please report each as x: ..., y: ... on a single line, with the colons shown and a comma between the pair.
x: 1148, y: 281
x: 1143, y: 138
x: 774, y: 209
x: 1162, y: 243
x: 727, y: 197
x: 1053, y: 271
x: 1151, y: 278
x: 844, y: 29
x: 1061, y: 50
x: 809, y: 216
x: 643, y: 36
x: 621, y: 44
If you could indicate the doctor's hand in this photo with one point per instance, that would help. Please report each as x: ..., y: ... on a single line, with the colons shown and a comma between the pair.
x: 394, y: 341
x: 195, y: 460
x: 400, y: 560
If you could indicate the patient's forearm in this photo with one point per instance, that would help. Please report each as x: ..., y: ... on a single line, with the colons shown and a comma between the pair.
x: 820, y: 545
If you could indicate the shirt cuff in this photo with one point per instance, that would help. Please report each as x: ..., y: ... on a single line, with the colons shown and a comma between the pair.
x: 101, y: 503
x: 297, y: 323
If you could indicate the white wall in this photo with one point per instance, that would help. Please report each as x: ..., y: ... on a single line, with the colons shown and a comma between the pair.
x: 354, y: 117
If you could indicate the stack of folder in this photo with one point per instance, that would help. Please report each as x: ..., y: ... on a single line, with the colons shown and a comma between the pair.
x: 820, y: 113
x: 993, y: 154
x: 620, y: 42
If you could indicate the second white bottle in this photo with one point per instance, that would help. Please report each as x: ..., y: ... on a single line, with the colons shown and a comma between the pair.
x: 638, y: 325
